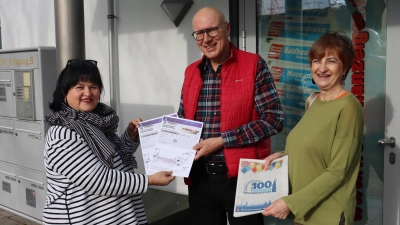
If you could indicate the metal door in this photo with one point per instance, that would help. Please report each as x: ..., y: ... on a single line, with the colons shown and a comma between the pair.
x: 391, y: 187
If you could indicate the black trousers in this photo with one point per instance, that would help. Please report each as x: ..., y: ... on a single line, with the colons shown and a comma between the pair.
x: 212, y: 199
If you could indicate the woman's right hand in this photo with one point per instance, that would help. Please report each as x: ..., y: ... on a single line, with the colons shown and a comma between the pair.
x: 272, y: 157
x: 161, y: 178
x: 133, y: 129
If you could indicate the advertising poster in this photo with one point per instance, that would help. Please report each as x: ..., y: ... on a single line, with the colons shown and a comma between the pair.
x: 287, y: 29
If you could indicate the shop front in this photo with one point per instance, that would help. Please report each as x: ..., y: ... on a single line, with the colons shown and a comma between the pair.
x: 282, y: 32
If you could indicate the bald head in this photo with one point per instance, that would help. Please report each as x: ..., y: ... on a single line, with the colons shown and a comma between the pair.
x: 213, y: 29
x: 208, y: 15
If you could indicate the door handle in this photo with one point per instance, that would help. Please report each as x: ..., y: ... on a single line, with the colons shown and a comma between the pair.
x: 391, y: 142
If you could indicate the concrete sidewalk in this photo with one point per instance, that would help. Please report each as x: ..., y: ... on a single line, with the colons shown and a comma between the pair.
x: 8, y: 218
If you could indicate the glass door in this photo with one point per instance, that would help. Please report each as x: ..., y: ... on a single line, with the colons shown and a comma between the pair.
x: 283, y: 32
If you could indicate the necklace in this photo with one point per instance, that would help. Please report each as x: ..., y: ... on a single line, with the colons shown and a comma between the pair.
x: 334, y: 97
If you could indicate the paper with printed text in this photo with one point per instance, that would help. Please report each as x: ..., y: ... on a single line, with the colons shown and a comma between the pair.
x: 172, y: 149
x: 148, y: 134
x: 258, y: 185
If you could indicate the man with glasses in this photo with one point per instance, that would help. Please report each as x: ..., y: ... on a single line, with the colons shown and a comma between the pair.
x: 233, y: 93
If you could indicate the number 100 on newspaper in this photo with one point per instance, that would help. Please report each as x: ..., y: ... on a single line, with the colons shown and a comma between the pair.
x: 259, y: 185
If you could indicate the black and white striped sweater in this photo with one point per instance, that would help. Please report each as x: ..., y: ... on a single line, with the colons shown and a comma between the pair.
x: 82, y: 190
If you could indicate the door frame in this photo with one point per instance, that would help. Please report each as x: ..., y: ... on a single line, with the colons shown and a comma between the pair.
x: 248, y: 25
x: 391, y: 201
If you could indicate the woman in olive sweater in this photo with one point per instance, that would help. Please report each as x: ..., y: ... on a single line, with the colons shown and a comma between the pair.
x: 324, y: 148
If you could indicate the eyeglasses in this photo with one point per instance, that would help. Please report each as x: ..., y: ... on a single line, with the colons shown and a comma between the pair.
x: 212, y: 32
x: 79, y: 62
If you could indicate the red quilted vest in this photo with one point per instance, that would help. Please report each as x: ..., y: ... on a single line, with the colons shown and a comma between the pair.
x: 237, y: 102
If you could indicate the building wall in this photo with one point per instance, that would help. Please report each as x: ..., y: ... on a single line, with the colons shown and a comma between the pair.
x: 27, y: 23
x: 152, y: 53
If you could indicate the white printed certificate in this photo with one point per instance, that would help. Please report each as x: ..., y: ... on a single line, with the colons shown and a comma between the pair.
x: 173, y: 150
x: 148, y: 134
x: 258, y: 186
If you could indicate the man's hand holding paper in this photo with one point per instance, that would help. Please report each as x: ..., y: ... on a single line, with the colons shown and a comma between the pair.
x: 208, y: 146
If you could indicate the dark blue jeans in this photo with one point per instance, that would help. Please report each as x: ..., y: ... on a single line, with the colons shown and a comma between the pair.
x: 212, y: 199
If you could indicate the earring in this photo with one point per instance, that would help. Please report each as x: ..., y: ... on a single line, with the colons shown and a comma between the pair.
x: 65, y: 100
x: 344, y: 78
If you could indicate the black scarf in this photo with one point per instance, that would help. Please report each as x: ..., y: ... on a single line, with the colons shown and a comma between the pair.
x: 98, y: 129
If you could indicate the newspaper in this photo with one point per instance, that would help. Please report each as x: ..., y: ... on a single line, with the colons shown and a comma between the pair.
x: 258, y: 186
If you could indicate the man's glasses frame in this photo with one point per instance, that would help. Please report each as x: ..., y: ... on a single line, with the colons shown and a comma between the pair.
x: 79, y: 62
x: 212, y: 32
